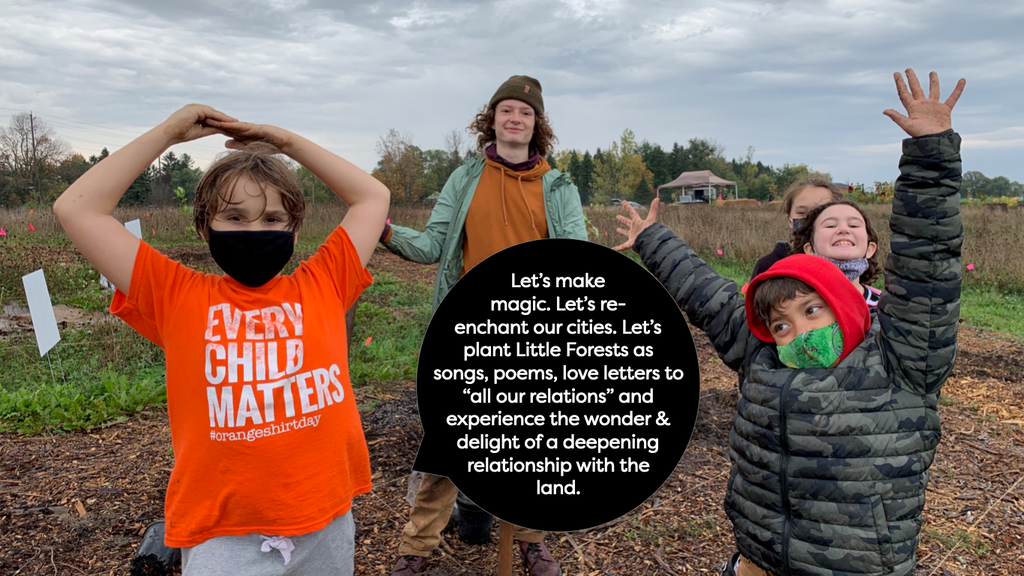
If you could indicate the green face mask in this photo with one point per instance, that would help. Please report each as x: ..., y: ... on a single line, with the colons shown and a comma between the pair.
x: 818, y: 348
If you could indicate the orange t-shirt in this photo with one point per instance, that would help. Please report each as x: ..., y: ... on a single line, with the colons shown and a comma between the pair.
x: 266, y: 435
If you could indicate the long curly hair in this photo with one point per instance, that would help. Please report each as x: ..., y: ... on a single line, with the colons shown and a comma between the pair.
x: 543, y: 141
x: 805, y: 235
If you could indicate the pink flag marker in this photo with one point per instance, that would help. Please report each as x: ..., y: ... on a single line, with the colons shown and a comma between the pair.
x: 389, y: 221
x: 970, y: 266
x: 719, y: 252
x: 31, y: 227
x: 3, y: 232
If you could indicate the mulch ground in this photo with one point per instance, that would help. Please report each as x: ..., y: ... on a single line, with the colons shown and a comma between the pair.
x: 78, y: 504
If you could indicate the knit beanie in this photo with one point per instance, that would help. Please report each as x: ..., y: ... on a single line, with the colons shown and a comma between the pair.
x: 521, y: 88
x: 846, y: 302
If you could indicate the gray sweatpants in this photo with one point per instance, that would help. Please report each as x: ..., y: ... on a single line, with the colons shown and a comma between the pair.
x: 329, y: 550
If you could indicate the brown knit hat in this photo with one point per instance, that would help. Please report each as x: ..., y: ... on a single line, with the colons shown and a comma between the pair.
x: 521, y: 88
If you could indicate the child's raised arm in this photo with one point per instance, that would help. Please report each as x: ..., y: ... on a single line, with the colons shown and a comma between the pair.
x: 921, y: 303
x: 711, y: 302
x: 367, y: 198
x: 85, y: 208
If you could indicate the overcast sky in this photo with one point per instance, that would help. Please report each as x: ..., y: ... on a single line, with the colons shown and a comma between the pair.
x: 801, y: 81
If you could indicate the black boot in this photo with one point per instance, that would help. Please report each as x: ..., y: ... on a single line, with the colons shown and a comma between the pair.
x: 730, y: 566
x: 153, y: 558
x: 474, y: 523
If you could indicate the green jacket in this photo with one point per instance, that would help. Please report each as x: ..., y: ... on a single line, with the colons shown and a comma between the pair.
x: 830, y: 466
x: 442, y: 239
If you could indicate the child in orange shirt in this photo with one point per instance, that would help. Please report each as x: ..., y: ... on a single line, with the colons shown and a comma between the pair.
x: 268, y: 445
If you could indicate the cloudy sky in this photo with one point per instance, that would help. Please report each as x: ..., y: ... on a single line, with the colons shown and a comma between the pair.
x: 802, y: 81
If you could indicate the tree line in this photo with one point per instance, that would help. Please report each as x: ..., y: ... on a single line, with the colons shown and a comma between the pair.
x: 37, y: 165
x: 626, y: 169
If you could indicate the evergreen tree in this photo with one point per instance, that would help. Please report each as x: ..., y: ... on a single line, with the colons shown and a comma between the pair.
x: 644, y: 192
x: 657, y: 161
x: 586, y: 178
x: 573, y: 168
x: 95, y: 159
x: 138, y: 192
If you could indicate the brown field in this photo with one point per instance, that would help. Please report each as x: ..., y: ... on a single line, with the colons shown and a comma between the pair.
x: 993, y: 239
x: 77, y: 504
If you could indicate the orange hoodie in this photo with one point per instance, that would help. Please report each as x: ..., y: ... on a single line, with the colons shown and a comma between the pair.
x: 507, y: 209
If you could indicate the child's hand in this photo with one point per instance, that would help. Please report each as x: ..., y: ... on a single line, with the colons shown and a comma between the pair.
x: 193, y: 122
x: 243, y: 133
x: 635, y: 223
x: 924, y: 115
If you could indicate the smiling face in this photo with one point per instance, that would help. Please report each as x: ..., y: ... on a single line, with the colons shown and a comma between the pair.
x: 802, y: 313
x: 840, y: 234
x: 513, y: 123
x: 806, y: 200
x: 247, y: 208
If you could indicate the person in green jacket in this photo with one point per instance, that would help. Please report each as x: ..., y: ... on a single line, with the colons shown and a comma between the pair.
x: 509, y: 196
x: 837, y: 421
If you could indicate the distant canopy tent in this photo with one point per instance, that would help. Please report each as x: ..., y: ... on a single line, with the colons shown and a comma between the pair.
x: 703, y: 180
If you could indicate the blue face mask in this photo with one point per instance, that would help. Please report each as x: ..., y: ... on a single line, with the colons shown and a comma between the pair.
x: 797, y: 223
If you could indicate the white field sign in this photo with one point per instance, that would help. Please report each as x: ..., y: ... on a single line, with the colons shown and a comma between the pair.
x: 135, y: 227
x: 41, y: 309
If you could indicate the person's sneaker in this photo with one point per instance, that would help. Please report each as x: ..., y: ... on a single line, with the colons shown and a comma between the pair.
x: 730, y: 566
x: 409, y: 565
x: 538, y: 561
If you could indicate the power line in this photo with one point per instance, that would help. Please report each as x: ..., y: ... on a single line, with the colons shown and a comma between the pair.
x: 127, y: 133
x: 202, y: 146
x: 70, y: 120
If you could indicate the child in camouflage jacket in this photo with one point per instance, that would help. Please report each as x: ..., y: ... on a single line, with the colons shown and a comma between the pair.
x: 830, y: 463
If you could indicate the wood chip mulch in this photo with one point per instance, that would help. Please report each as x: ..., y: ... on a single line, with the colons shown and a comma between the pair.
x: 78, y: 504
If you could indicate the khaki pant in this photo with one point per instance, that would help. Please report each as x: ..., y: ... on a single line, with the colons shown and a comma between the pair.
x: 748, y: 568
x: 430, y: 513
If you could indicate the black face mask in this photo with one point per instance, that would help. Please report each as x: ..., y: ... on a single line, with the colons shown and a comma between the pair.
x: 252, y: 258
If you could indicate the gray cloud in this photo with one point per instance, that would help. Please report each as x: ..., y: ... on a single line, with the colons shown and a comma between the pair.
x: 801, y: 81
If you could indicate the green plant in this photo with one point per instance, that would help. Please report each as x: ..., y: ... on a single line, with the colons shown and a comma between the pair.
x: 962, y: 539
x: 65, y: 407
x: 185, y: 209
x: 649, y: 531
x: 697, y: 528
x: 394, y: 315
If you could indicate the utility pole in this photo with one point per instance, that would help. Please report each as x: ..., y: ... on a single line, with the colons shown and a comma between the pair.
x: 35, y: 161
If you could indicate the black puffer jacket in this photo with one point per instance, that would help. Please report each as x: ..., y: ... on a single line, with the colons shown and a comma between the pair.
x: 830, y: 466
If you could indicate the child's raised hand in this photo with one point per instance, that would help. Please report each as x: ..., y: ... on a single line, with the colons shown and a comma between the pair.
x: 925, y: 115
x: 244, y: 133
x: 635, y: 223
x: 193, y: 122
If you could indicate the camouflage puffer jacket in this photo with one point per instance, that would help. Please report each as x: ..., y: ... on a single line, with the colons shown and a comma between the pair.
x: 830, y: 466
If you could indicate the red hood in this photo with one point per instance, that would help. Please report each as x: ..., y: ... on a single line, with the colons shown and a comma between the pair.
x: 846, y: 301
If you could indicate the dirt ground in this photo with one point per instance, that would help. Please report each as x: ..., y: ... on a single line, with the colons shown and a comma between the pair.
x: 78, y: 504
